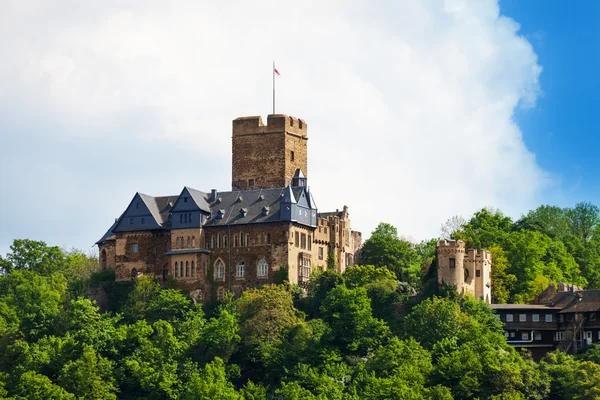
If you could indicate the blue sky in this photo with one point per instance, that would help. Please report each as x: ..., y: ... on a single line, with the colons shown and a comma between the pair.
x: 417, y: 110
x: 562, y: 130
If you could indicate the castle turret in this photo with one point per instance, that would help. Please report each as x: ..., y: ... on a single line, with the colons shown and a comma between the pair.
x: 451, y: 255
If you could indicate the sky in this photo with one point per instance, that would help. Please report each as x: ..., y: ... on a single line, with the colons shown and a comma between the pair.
x: 417, y: 110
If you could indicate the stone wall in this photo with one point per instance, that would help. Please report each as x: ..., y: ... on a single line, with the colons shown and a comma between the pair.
x: 262, y: 154
x: 107, y: 255
x: 150, y: 258
x: 265, y: 241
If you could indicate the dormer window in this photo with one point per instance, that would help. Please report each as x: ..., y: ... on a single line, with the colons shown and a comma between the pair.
x: 220, y: 214
x: 243, y: 212
x: 265, y: 211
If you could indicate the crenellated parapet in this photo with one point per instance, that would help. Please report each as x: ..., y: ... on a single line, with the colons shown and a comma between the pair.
x: 276, y: 123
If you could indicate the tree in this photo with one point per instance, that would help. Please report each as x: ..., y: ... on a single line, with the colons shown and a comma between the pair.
x: 33, y: 386
x: 353, y: 328
x: 34, y: 256
x: 549, y: 220
x: 385, y: 249
x: 141, y: 298
x: 452, y: 225
x: 89, y: 377
x: 35, y: 299
x: 583, y: 218
x: 503, y: 283
x: 265, y: 314
x: 211, y: 383
x: 486, y: 228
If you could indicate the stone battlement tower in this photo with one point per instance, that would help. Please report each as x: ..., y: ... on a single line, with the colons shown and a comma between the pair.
x: 469, y: 270
x: 267, y: 156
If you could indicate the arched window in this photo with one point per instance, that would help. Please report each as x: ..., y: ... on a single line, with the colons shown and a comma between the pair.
x: 103, y: 259
x: 187, y: 269
x: 176, y: 269
x: 190, y: 217
x: 235, y: 241
x: 194, y: 241
x: 225, y: 241
x: 133, y: 273
x: 262, y: 268
x: 241, y: 266
x: 268, y: 238
x: 241, y: 239
x: 189, y: 242
x: 212, y: 242
x: 193, y: 269
x: 185, y: 218
x: 220, y: 270
x: 181, y: 269
x: 218, y: 240
x: 247, y: 243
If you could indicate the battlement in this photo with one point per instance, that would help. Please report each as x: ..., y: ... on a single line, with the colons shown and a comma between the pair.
x: 454, y: 244
x: 276, y: 123
x: 479, y: 255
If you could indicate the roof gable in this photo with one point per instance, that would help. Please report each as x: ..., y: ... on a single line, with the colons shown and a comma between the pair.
x: 191, y: 200
x: 143, y: 213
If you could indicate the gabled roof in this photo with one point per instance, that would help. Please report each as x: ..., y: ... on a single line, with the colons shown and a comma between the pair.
x: 109, y: 235
x: 288, y: 196
x: 226, y: 209
x: 159, y: 207
x: 200, y: 198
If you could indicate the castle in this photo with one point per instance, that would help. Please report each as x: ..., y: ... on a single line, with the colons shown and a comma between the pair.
x: 469, y: 270
x: 211, y: 242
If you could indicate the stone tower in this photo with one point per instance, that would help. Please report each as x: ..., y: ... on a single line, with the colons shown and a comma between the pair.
x: 469, y: 270
x: 478, y: 263
x: 451, y: 256
x: 267, y: 156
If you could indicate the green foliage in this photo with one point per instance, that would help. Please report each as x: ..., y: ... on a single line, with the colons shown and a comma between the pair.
x: 385, y: 249
x: 345, y: 336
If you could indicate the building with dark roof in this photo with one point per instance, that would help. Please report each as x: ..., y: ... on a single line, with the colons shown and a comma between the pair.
x: 563, y: 317
x: 215, y: 241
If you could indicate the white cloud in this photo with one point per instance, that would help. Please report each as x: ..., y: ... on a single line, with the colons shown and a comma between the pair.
x: 409, y: 104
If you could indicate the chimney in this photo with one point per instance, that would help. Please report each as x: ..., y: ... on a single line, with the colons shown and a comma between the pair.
x: 213, y: 195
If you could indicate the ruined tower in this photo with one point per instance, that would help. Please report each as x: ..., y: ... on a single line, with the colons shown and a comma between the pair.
x: 267, y: 156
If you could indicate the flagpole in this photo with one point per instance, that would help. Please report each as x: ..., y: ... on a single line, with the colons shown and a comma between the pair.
x: 273, y: 72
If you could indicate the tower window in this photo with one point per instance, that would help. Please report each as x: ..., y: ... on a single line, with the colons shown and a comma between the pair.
x: 452, y: 262
x: 291, y: 156
x: 134, y: 248
x: 251, y: 182
x: 478, y: 273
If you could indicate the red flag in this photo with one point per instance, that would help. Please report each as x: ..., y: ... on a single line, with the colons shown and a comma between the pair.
x: 275, y: 70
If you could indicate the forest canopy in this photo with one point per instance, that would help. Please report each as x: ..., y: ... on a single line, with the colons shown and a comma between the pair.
x: 380, y: 330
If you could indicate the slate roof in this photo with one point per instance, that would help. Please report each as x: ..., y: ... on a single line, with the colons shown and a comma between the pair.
x: 109, y: 235
x: 159, y: 207
x: 228, y: 208
x: 225, y: 210
x: 200, y: 198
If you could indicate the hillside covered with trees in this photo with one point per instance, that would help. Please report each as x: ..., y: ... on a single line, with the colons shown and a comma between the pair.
x: 381, y: 330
